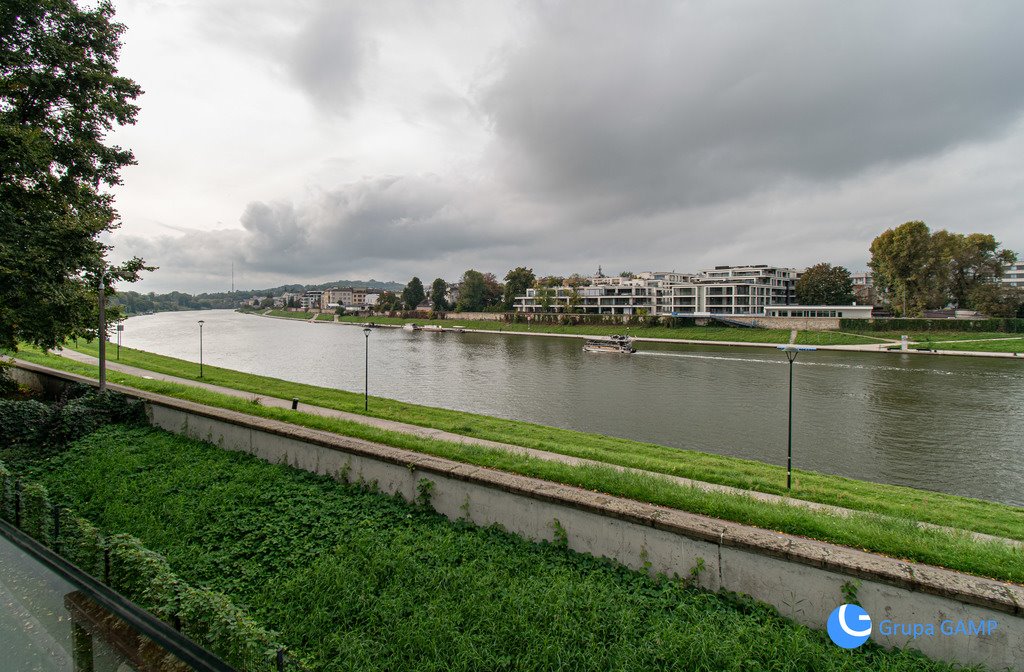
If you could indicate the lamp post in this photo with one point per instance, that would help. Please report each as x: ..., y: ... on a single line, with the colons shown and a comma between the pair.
x: 120, y: 328
x: 366, y: 379
x: 200, y: 348
x: 791, y: 352
x: 102, y: 299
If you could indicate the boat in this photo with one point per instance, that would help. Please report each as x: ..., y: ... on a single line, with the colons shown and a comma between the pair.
x: 432, y: 327
x: 412, y: 326
x: 457, y: 329
x: 617, y: 343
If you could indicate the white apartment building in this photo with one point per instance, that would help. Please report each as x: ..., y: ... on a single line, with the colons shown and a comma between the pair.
x: 311, y: 300
x: 723, y: 290
x: 1013, y: 274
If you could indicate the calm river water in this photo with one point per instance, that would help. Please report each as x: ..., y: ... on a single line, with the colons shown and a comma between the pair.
x: 953, y: 424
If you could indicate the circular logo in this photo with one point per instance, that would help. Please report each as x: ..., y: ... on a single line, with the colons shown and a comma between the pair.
x: 849, y: 626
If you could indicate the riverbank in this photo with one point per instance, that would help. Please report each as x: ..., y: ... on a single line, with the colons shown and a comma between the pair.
x: 900, y: 538
x: 920, y: 343
x: 357, y: 580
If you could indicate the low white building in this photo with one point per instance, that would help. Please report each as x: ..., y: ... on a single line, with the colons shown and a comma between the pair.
x: 854, y: 311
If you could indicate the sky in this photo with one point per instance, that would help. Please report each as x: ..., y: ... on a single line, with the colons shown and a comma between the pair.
x: 317, y: 140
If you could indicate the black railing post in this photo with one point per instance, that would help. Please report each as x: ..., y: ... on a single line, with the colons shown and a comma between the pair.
x: 17, y: 503
x: 56, y: 529
x: 280, y: 660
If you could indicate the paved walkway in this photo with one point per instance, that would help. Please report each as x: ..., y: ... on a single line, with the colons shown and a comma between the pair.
x: 441, y: 435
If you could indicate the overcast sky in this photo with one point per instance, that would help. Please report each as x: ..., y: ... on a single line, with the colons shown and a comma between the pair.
x: 314, y: 140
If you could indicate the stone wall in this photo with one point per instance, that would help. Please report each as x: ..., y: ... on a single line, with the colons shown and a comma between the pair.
x: 802, y: 578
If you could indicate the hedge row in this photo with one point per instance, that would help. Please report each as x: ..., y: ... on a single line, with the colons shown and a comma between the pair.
x: 1008, y: 325
x: 143, y: 576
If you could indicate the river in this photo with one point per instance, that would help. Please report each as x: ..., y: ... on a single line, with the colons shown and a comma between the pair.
x: 952, y: 424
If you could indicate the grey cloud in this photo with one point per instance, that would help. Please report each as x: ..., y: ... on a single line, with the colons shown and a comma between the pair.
x: 641, y: 107
x: 390, y: 222
x: 327, y: 57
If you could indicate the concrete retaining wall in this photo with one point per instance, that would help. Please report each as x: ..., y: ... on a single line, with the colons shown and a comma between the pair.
x: 802, y: 578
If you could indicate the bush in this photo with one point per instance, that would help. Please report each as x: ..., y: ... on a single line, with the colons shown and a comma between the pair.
x: 31, y: 430
x: 145, y: 577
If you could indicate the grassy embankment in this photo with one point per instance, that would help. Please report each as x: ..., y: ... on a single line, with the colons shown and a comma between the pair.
x: 295, y: 315
x: 356, y: 580
x: 325, y: 317
x: 898, y: 537
x: 1010, y: 345
x: 709, y: 333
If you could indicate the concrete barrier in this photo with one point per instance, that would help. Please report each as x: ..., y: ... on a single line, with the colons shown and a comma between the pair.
x: 804, y: 579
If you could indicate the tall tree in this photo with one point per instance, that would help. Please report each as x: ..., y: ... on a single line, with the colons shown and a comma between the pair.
x: 472, y: 292
x: 493, y: 291
x: 413, y: 294
x: 901, y: 266
x: 438, y: 294
x: 965, y: 262
x: 386, y: 302
x: 517, y: 281
x: 59, y: 96
x: 825, y: 285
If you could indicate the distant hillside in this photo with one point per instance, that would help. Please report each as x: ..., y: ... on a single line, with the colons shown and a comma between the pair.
x: 134, y: 302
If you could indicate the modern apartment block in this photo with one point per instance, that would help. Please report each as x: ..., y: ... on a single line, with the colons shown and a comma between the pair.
x: 311, y: 300
x: 724, y: 290
x: 1013, y: 274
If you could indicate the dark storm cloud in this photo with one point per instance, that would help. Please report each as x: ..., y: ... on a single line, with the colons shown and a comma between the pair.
x: 633, y: 107
x: 370, y: 223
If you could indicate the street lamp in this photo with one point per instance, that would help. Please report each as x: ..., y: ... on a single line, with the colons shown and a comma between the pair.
x: 366, y: 380
x: 791, y: 352
x: 120, y: 328
x: 102, y: 300
x: 200, y: 348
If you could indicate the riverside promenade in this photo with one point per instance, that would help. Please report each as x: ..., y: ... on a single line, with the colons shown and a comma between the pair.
x: 430, y: 433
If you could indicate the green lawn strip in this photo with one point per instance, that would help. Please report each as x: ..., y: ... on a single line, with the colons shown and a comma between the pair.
x: 1014, y: 345
x: 295, y: 315
x: 358, y: 581
x: 710, y: 333
x: 919, y: 336
x: 325, y: 317
x: 890, y: 536
x: 933, y: 507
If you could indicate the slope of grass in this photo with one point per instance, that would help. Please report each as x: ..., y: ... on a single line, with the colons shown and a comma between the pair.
x: 1011, y: 345
x: 360, y: 581
x: 325, y: 317
x: 295, y: 315
x: 709, y: 333
x: 933, y: 507
x: 891, y: 536
x: 937, y: 336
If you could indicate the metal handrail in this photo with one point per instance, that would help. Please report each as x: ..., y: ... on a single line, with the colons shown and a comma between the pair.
x: 141, y: 620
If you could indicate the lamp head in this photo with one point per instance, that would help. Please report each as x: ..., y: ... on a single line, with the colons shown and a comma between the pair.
x: 366, y: 332
x: 793, y: 350
x: 201, y: 321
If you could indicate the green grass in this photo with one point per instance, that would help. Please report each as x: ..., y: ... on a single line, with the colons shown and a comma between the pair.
x: 295, y: 315
x: 933, y: 507
x: 325, y: 317
x: 936, y: 336
x: 354, y: 580
x: 710, y: 333
x: 897, y: 537
x: 1014, y: 345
